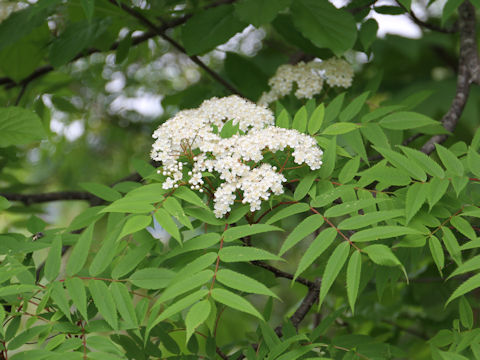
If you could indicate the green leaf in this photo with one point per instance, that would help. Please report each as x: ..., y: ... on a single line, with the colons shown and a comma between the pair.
x: 437, y: 253
x: 333, y: 109
x: 228, y: 129
x: 259, y: 12
x: 304, y: 185
x: 152, y: 278
x: 4, y: 203
x: 383, y: 232
x: 241, y: 231
x: 416, y: 196
x: 334, y: 265
x: 360, y: 221
x: 424, y: 161
x: 131, y: 260
x: 88, y: 8
x: 354, y: 269
x: 374, y: 133
x: 200, y: 242
x: 465, y: 312
x: 234, y: 301
x: 470, y: 265
x: 176, y: 307
x: 283, y: 120
x: 406, y: 120
x: 54, y: 258
x: 80, y: 252
x: 324, y: 24
x: 467, y: 286
x: 243, y: 253
x: 302, y: 230
x: 123, y: 300
x: 328, y: 159
x: 101, y: 191
x: 60, y: 299
x: 104, y: 257
x: 464, y: 227
x: 129, y: 205
x: 368, y: 33
x: 123, y: 48
x: 449, y: 8
x: 449, y: 160
x: 216, y: 25
x: 316, y: 120
x: 205, y: 215
x: 16, y: 289
x: 383, y: 255
x: 76, y: 290
x: 135, y: 223
x: 26, y: 336
x: 316, y: 248
x: 352, y: 109
x: 196, y: 316
x: 181, y: 286
x: 351, y: 206
x: 247, y: 77
x: 401, y: 162
x: 165, y: 220
x: 349, y: 170
x: 19, y: 126
x: 75, y: 38
x: 288, y: 211
x: 193, y: 267
x: 451, y: 244
x: 436, y: 189
x: 242, y: 282
x: 104, y: 302
x: 340, y: 128
x: 300, y: 120
x: 473, y: 161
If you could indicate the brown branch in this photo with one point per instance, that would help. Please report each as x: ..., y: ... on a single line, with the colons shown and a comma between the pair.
x: 428, y: 25
x: 468, y: 72
x: 307, y: 303
x: 43, y: 70
x: 283, y: 274
x: 29, y: 199
x: 161, y: 32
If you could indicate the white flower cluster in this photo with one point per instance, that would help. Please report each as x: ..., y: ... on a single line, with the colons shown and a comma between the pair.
x: 338, y: 72
x: 309, y: 78
x: 236, y: 159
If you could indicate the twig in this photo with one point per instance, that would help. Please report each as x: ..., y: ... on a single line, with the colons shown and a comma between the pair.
x: 283, y: 274
x: 428, y: 25
x: 43, y: 70
x: 468, y: 72
x: 160, y: 32
x: 307, y: 303
x: 29, y: 199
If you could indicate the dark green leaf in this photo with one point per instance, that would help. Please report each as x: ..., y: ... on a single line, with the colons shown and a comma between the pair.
x: 334, y: 265
x: 19, y: 127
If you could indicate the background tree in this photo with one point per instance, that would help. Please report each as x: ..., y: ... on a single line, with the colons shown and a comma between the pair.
x: 371, y: 256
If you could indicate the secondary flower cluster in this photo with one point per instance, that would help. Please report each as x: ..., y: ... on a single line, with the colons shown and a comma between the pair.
x: 194, y: 135
x: 308, y: 77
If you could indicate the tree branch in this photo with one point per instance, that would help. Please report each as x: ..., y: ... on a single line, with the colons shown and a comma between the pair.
x: 428, y: 25
x: 161, y: 32
x: 283, y: 274
x: 29, y: 199
x: 43, y: 70
x: 468, y: 72
x: 307, y: 303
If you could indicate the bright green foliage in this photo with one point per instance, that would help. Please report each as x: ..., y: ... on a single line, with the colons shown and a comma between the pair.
x: 372, y: 256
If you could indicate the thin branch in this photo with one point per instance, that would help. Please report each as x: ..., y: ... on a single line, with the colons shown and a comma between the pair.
x: 283, y: 274
x: 468, y: 72
x: 428, y: 25
x: 307, y: 303
x: 29, y: 199
x: 161, y: 32
x: 43, y: 70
